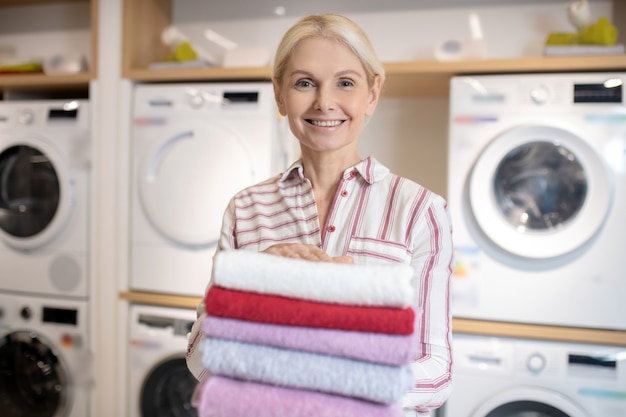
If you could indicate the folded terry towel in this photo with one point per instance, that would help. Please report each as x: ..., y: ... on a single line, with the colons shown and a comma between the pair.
x: 275, y: 309
x: 303, y: 370
x: 387, y: 285
x: 371, y: 347
x: 225, y: 397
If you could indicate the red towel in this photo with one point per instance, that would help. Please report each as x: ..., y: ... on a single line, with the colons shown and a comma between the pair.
x: 265, y: 308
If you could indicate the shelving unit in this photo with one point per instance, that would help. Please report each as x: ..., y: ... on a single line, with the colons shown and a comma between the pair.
x: 42, y: 82
x: 144, y: 20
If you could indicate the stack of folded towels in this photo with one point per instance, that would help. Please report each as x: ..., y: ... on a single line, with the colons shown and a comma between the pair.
x: 289, y: 337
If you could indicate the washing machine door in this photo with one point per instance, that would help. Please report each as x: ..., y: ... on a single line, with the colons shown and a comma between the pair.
x: 33, y: 379
x: 539, y: 192
x: 168, y: 389
x: 529, y: 402
x: 35, y: 193
x: 187, y: 179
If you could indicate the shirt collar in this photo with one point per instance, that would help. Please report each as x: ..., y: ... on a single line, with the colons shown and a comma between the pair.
x: 369, y: 169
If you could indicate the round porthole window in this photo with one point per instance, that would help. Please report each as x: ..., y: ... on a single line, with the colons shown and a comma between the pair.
x: 33, y: 379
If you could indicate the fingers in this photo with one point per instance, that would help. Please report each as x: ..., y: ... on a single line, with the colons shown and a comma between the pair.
x: 343, y: 259
x: 307, y: 252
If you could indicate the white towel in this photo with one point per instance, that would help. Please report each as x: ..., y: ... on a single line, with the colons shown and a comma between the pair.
x: 384, y: 285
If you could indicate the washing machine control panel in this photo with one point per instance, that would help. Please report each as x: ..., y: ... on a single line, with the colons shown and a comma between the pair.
x: 41, y: 314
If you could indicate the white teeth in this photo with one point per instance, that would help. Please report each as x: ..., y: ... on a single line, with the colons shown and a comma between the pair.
x: 326, y: 123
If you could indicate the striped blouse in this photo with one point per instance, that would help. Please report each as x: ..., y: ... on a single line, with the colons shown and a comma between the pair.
x: 375, y: 217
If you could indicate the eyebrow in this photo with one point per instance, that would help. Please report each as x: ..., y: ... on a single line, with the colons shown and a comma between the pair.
x: 337, y: 74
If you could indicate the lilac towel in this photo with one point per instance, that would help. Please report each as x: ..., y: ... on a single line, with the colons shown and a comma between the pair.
x: 225, y: 397
x: 371, y: 347
x: 296, y: 369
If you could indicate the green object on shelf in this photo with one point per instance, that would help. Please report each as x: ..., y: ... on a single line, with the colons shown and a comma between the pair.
x: 19, y: 68
x: 183, y: 52
x: 600, y: 33
x: 562, y: 39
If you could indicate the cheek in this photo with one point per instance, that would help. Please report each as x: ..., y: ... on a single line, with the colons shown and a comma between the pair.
x: 295, y: 106
x: 357, y: 109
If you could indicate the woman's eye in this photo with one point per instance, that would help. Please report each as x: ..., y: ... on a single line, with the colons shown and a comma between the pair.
x: 303, y: 83
x: 346, y: 83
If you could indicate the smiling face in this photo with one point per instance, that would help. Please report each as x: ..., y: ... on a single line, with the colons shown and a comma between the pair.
x: 326, y: 96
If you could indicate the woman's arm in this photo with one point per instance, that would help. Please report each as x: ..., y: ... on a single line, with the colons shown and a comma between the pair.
x: 432, y: 261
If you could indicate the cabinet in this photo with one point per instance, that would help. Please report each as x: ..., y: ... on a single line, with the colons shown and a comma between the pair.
x: 42, y: 82
x: 144, y: 20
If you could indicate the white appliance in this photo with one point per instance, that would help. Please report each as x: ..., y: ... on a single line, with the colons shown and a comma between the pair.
x: 537, y: 192
x: 502, y: 377
x: 193, y: 147
x: 159, y: 382
x: 45, y: 359
x: 44, y: 196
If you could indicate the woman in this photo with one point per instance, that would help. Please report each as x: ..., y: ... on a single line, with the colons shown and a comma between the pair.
x: 332, y: 205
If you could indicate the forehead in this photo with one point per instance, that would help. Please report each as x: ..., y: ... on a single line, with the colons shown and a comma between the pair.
x: 324, y: 54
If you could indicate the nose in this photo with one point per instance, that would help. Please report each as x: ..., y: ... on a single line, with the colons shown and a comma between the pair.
x: 324, y: 100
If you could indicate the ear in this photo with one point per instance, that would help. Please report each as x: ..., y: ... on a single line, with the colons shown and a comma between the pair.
x: 374, y: 96
x: 280, y: 103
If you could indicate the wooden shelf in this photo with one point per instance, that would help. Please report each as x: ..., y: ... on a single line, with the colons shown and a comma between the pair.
x: 432, y: 78
x: 31, y: 81
x: 416, y: 78
x: 159, y: 299
x: 489, y: 328
x: 528, y: 331
x: 8, y: 3
x: 201, y: 74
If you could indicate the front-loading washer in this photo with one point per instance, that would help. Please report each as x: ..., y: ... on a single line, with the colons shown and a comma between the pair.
x: 159, y: 382
x: 45, y: 358
x: 507, y: 377
x: 193, y: 147
x: 536, y: 190
x: 44, y: 196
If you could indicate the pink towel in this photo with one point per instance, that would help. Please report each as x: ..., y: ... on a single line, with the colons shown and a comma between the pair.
x: 265, y: 308
x: 225, y: 397
x: 371, y: 347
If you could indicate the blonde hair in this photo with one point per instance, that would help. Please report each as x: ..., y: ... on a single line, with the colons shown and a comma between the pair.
x: 330, y: 26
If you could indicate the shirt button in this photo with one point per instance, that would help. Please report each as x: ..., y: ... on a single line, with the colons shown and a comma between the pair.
x: 331, y: 229
x: 344, y: 193
x: 353, y: 173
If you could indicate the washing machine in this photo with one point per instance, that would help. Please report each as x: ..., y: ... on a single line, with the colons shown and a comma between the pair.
x: 45, y: 358
x: 159, y: 382
x: 537, y: 192
x: 44, y: 196
x: 510, y: 377
x: 193, y: 147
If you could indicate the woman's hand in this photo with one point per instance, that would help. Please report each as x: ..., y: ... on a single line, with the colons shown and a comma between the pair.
x: 307, y: 252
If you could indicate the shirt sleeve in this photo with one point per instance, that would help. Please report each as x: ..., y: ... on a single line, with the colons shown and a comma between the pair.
x: 194, y: 354
x: 432, y: 261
